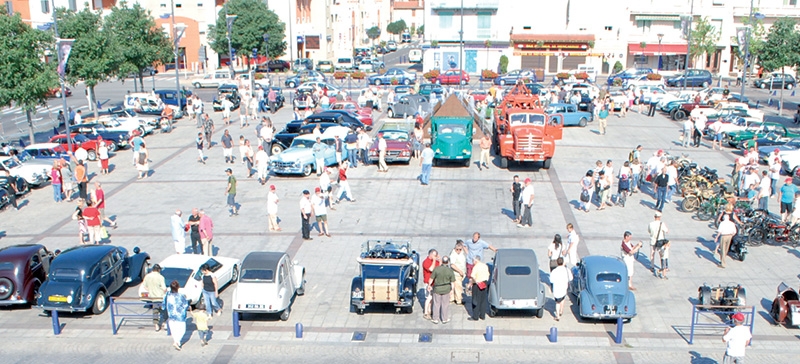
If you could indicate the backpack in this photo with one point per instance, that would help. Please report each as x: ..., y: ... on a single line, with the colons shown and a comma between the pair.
x: 631, y: 155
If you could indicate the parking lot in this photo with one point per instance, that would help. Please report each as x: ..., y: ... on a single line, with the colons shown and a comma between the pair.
x: 394, y: 205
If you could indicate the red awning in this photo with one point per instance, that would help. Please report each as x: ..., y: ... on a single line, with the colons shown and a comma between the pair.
x: 654, y: 50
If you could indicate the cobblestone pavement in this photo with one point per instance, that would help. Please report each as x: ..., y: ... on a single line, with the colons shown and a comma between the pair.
x: 394, y: 206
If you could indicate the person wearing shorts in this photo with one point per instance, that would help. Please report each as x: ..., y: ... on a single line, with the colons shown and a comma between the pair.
x: 320, y: 211
x: 559, y: 277
x: 786, y: 196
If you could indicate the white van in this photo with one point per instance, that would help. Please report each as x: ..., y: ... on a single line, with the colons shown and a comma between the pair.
x: 415, y: 56
x: 344, y: 64
x: 589, y: 70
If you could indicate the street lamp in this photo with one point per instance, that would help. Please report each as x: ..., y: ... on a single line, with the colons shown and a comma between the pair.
x: 229, y: 19
x: 660, y: 37
x: 688, y: 19
x: 746, y: 54
x: 177, y: 33
x: 61, y: 76
x: 461, y: 47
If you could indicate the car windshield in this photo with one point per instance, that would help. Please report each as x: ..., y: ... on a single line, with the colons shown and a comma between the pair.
x: 257, y: 275
x: 303, y: 143
x: 24, y: 156
x: 772, y: 136
x: 535, y: 119
x: 176, y: 274
x: 80, y: 138
x: 10, y: 163
x: 65, y: 274
x: 344, y: 107
x: 608, y: 277
x: 399, y: 136
x: 380, y: 271
x: 111, y: 122
x: 518, y: 270
x: 453, y: 129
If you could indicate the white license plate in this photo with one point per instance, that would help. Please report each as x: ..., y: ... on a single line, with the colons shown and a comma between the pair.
x: 252, y: 305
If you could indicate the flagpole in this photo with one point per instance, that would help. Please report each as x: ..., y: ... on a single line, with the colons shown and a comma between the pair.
x: 62, y: 71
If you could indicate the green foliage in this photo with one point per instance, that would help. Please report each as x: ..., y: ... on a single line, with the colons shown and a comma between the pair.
x: 421, y: 29
x: 396, y: 27
x: 373, y: 33
x: 141, y: 43
x: 503, y: 64
x: 643, y: 45
x: 253, y: 20
x: 781, y: 47
x: 755, y: 36
x: 617, y: 67
x: 94, y: 57
x: 704, y: 38
x: 434, y: 43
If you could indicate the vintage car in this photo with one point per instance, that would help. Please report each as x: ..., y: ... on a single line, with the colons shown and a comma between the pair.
x: 600, y: 285
x: 303, y: 98
x: 144, y: 126
x: 170, y: 97
x: 23, y: 268
x: 283, y: 140
x: 364, y: 113
x: 82, y: 141
x: 408, y: 105
x: 153, y: 104
x: 185, y: 268
x: 342, y: 117
x: 49, y: 152
x: 451, y: 139
x: 34, y: 175
x: 268, y: 284
x: 388, y: 275
x: 734, y: 138
x: 393, y: 76
x: 398, y: 146
x: 299, y: 158
x: 227, y: 91
x: 22, y: 186
x: 572, y: 116
x: 773, y: 141
x: 642, y: 80
x: 515, y: 283
x: 786, y: 306
x: 81, y: 278
x: 279, y: 99
x: 94, y: 130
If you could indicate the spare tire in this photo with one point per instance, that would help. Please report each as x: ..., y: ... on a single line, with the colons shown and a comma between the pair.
x: 6, y: 288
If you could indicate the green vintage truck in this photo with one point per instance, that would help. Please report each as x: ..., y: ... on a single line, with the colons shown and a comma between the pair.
x: 451, y: 139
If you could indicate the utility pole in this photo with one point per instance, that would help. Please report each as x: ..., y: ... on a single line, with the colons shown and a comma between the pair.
x: 176, y: 38
x: 461, y: 47
x: 746, y: 54
x: 61, y: 80
x: 688, y: 44
x: 229, y: 22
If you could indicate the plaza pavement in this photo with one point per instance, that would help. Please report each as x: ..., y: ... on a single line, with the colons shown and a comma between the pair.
x: 394, y: 205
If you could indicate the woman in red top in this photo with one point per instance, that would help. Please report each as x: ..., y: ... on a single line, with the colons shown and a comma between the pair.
x: 55, y: 178
x: 344, y: 186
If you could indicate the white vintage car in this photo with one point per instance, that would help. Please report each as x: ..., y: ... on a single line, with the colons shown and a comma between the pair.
x: 268, y: 283
x: 35, y: 173
x: 185, y: 268
x: 129, y: 124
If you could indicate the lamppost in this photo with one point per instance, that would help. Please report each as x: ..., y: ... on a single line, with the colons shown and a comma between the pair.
x: 61, y: 76
x: 689, y: 20
x: 660, y: 37
x: 177, y: 33
x: 229, y: 19
x: 461, y: 47
x: 747, y: 48
x: 290, y: 21
x: 266, y: 53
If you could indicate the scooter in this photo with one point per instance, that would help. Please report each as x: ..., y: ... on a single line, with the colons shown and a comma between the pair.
x: 738, y: 248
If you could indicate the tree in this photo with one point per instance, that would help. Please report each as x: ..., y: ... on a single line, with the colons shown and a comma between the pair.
x: 781, y: 49
x: 142, y: 43
x: 94, y: 56
x: 253, y: 20
x: 397, y: 27
x: 373, y: 33
x: 421, y: 29
x: 755, y: 38
x: 704, y: 39
x: 25, y: 79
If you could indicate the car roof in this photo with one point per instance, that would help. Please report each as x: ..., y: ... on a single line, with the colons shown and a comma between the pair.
x: 329, y: 133
x: 82, y: 255
x: 268, y: 260
x: 42, y: 146
x: 192, y: 261
x: 18, y: 252
x: 595, y: 264
x: 516, y: 256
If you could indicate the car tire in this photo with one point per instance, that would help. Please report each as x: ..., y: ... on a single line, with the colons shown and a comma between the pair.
x: 285, y: 314
x: 291, y: 84
x: 582, y: 122
x: 307, y: 169
x: 547, y: 162
x: 112, y: 148
x: 789, y: 86
x: 100, y: 303
x: 502, y: 82
x: 492, y: 312
x: 503, y: 162
x: 276, y: 149
x: 705, y: 84
x: 92, y: 155
x: 235, y: 274
x: 540, y: 313
x: 679, y: 115
x: 8, y: 286
x: 143, y: 271
x: 762, y: 86
x: 463, y: 82
x: 390, y: 113
x: 406, y: 82
x: 141, y: 131
x: 377, y: 82
x: 196, y: 85
x: 302, y: 290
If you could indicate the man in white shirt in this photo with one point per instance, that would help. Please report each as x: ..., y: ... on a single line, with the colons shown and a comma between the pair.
x: 364, y: 140
x: 764, y: 189
x: 262, y: 163
x: 688, y: 127
x: 305, y: 214
x: 559, y: 277
x: 318, y: 203
x: 382, y: 167
x: 657, y: 230
x: 227, y: 106
x: 426, y: 161
x: 725, y: 233
x: 699, y: 125
x: 751, y: 178
x: 672, y: 182
x: 178, y: 232
x: 458, y: 262
x: 738, y: 338
x: 526, y: 197
x: 572, y: 245
x: 272, y: 209
x: 78, y: 118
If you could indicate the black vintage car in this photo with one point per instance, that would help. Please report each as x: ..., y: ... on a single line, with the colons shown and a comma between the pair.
x: 279, y: 99
x: 388, y: 275
x: 23, y: 268
x: 229, y: 91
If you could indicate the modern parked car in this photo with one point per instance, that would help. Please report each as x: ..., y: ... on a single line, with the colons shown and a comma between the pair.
x: 406, y: 37
x: 56, y: 92
x: 628, y: 74
x: 303, y: 64
x: 212, y: 79
x: 274, y: 65
x: 366, y: 65
x: 83, y: 277
x: 185, y: 268
x: 23, y: 268
x: 268, y: 284
x: 325, y: 66
x: 776, y: 81
x: 572, y: 116
x: 344, y: 64
x: 452, y: 77
x: 431, y: 89
x: 691, y: 78
x: 391, y: 46
x: 600, y: 284
x: 303, y: 76
x: 393, y: 76
x: 515, y: 283
x: 512, y: 77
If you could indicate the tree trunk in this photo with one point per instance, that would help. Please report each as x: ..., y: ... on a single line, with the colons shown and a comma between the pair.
x: 94, y: 101
x: 30, y: 125
x: 780, y: 103
x: 141, y: 80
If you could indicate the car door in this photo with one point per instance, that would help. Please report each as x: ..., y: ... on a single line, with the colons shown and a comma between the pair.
x: 106, y: 272
x: 119, y: 270
x: 330, y: 151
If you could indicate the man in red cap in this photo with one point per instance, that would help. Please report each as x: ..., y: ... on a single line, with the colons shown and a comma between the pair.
x: 272, y: 209
x: 526, y: 197
x: 738, y: 338
x: 786, y: 197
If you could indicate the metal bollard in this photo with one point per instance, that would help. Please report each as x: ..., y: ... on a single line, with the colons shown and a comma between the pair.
x: 489, y: 335
x: 553, y: 334
x: 618, y: 336
x: 758, y: 104
x: 298, y: 330
x: 56, y: 324
x: 236, y: 327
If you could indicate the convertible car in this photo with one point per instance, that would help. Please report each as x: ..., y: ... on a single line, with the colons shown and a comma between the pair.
x: 81, y: 278
x: 388, y: 274
x: 185, y: 268
x: 515, y: 283
x: 268, y: 283
x: 23, y: 268
x: 601, y: 286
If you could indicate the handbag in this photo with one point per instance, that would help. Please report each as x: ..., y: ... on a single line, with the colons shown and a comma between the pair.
x: 660, y: 242
x: 103, y: 233
x: 585, y: 196
x: 553, y: 264
x: 481, y: 285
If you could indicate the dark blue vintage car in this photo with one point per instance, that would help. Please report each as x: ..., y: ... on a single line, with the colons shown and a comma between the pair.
x: 23, y: 268
x: 601, y: 286
x: 388, y: 275
x: 81, y: 278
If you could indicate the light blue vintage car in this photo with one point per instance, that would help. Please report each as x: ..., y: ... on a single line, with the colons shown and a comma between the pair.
x: 601, y: 286
x: 572, y: 116
x: 299, y: 157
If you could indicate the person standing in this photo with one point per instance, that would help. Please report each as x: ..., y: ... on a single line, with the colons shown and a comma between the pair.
x: 486, y: 147
x: 176, y: 305
x: 201, y: 317
x: 572, y: 245
x: 99, y: 197
x: 382, y: 167
x: 428, y: 265
x: 80, y: 176
x: 155, y: 288
x: 672, y: 180
x: 344, y: 184
x: 55, y: 180
x: 272, y: 98
x: 699, y: 125
x: 657, y: 231
x: 786, y: 197
x: 441, y: 284
x: 262, y: 165
x: 206, y: 233
x: 247, y: 154
x: 227, y: 146
x: 351, y: 145
x: 266, y: 134
x: 764, y: 187
x: 197, y: 106
x: 661, y: 182
x: 92, y: 217
x: 587, y: 188
x: 272, y: 209
x: 230, y: 191
x: 555, y: 251
x: 527, y: 204
x: 210, y: 291
x: 178, y: 229
x: 725, y: 232
x: 67, y: 180
x: 737, y: 339
x: 364, y: 142
x: 427, y: 165
x: 305, y: 214
x: 458, y: 262
x: 318, y: 149
x: 208, y: 129
x: 629, y: 251
x: 480, y: 283
x: 321, y: 213
x: 143, y: 162
x: 102, y: 154
x: 688, y: 130
x: 602, y: 115
x: 136, y: 145
x: 559, y: 277
x: 338, y: 148
x: 199, y: 141
x: 194, y: 235
x: 227, y: 105
x: 475, y: 248
x: 516, y: 190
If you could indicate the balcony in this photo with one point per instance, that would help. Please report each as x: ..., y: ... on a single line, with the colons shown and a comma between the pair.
x: 449, y: 5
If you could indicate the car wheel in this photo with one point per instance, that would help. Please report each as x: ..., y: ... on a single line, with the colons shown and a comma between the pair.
x: 92, y: 155
x: 377, y: 82
x: 359, y: 311
x: 196, y: 85
x: 390, y: 113
x: 406, y: 82
x: 307, y: 169
x: 789, y: 86
x: 143, y: 271
x: 285, y: 314
x: 582, y: 122
x: 705, y: 84
x: 302, y: 290
x: 547, y: 162
x: 492, y: 311
x: 6, y: 288
x: 58, y: 94
x: 276, y: 149
x: 235, y: 274
x: 463, y: 82
x: 291, y: 84
x: 141, y: 131
x: 679, y: 115
x: 100, y: 303
x: 540, y: 313
x: 112, y: 147
x: 502, y: 82
x: 762, y: 86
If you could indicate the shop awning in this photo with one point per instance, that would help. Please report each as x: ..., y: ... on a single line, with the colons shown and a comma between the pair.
x: 552, y: 38
x: 658, y: 17
x: 654, y: 49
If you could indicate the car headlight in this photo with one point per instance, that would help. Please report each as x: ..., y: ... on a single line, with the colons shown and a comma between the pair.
x: 297, y: 163
x: 69, y: 299
x: 464, y: 151
x: 438, y: 151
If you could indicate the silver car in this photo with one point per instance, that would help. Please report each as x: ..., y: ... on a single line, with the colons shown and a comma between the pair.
x: 515, y: 283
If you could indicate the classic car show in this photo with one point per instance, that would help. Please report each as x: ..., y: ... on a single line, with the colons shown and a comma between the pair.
x: 416, y: 181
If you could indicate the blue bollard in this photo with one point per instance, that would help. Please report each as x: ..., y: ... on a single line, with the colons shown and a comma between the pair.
x: 553, y: 334
x: 489, y: 335
x: 236, y: 327
x: 298, y: 330
x: 769, y: 102
x: 618, y: 337
x: 56, y: 324
x: 792, y: 92
x: 758, y: 104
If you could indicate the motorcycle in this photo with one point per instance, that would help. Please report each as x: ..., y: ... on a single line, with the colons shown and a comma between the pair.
x: 774, y: 232
x: 738, y: 248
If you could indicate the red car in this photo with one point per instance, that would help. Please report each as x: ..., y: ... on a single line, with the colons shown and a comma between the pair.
x: 364, y: 113
x: 84, y: 141
x: 23, y: 268
x: 56, y: 92
x: 452, y: 77
x: 398, y: 147
x: 478, y: 95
